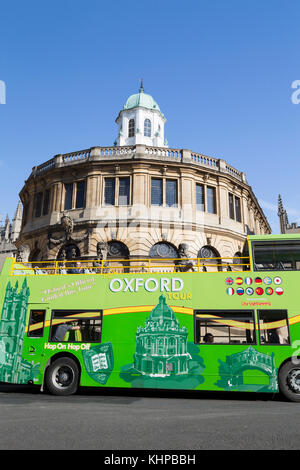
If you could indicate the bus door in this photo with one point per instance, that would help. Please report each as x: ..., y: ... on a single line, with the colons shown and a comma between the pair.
x: 38, y: 323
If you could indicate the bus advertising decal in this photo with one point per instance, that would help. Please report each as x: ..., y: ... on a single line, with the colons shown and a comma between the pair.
x: 230, y: 291
x: 259, y: 291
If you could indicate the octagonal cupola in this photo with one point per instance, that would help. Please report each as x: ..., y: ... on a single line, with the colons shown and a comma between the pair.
x: 141, y: 121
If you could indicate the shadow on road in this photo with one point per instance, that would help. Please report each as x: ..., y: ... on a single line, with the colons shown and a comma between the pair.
x: 111, y: 394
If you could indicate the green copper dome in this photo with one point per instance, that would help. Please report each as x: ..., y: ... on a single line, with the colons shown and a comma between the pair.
x: 141, y: 99
x: 162, y: 312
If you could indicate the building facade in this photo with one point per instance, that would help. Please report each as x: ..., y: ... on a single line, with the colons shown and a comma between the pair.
x: 9, y: 233
x: 139, y: 198
x: 285, y: 226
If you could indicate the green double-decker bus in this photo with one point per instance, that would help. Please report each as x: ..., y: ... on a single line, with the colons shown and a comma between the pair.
x: 189, y: 324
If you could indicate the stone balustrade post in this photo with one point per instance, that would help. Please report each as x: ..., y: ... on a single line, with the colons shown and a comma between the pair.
x: 186, y: 155
x: 222, y: 165
x: 139, y: 151
x: 58, y: 160
x: 95, y: 153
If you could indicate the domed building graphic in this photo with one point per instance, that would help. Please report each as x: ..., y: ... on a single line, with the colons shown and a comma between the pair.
x: 161, y: 344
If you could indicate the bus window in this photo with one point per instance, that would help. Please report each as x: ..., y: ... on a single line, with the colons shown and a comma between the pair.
x: 36, y: 323
x: 76, y: 326
x: 273, y: 327
x: 225, y: 327
x: 276, y: 256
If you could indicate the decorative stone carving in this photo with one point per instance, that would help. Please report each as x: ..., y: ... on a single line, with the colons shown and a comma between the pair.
x: 184, y: 264
x: 68, y: 226
x: 68, y: 238
x: 23, y: 253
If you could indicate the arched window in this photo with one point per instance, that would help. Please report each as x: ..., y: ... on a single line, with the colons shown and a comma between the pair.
x: 68, y: 252
x: 239, y: 261
x: 147, y: 128
x: 209, y: 255
x: 35, y: 255
x: 117, y: 250
x: 131, y: 128
x: 163, y: 250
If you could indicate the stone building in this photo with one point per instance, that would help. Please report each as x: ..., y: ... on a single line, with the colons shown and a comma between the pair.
x: 138, y: 198
x: 9, y: 232
x: 285, y: 226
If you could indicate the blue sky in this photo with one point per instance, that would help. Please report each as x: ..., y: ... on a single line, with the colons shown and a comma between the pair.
x: 220, y: 70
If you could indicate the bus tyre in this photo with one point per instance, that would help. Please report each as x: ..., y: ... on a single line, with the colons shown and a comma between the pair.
x: 62, y: 377
x: 289, y: 381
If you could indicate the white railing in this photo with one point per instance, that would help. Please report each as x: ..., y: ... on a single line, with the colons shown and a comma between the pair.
x: 170, y: 154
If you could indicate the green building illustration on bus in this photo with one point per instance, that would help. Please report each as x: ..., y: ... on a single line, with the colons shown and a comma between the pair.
x: 13, y: 367
x: 146, y: 326
x: 161, y: 345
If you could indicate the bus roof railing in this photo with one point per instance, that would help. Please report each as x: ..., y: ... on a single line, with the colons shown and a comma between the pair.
x: 130, y: 266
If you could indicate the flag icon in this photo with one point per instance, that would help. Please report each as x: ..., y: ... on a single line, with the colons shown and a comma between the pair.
x: 239, y: 281
x: 259, y: 291
x: 240, y: 291
x: 277, y: 280
x: 229, y: 281
x: 269, y: 291
x: 248, y: 281
x: 267, y: 280
x: 279, y: 290
x: 230, y: 291
x: 249, y: 291
x: 258, y: 280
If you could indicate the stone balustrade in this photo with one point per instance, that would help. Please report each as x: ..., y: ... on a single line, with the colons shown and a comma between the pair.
x: 139, y: 151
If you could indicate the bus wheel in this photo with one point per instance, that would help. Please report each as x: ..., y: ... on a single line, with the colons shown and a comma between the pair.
x: 62, y: 377
x: 289, y: 381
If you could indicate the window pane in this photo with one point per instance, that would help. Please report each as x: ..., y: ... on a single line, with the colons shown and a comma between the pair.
x: 76, y: 326
x: 147, y: 128
x: 109, y: 191
x: 80, y: 194
x: 36, y: 323
x: 225, y: 327
x: 273, y: 327
x: 131, y: 126
x: 171, y: 193
x: 238, y: 217
x: 277, y: 256
x: 231, y: 208
x: 68, y: 196
x: 156, y: 191
x: 46, y: 202
x: 38, y: 204
x: 124, y: 191
x: 211, y: 200
x: 200, y: 197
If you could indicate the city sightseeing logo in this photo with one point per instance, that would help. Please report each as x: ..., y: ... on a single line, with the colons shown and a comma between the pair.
x: 2, y: 92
